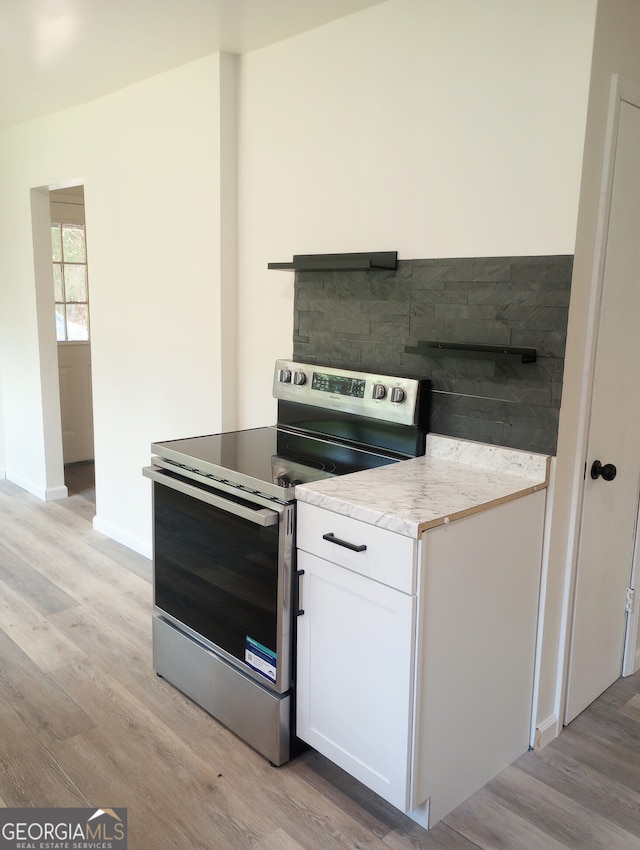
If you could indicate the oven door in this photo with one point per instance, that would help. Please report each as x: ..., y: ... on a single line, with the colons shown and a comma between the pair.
x: 223, y: 573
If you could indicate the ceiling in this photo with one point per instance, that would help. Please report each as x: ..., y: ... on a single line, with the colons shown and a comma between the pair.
x: 55, y: 54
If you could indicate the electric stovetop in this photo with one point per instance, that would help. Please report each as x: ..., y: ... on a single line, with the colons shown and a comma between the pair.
x: 331, y: 421
x: 263, y: 457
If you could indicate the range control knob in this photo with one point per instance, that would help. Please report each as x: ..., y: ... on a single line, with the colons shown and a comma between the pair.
x: 378, y: 391
x: 398, y: 395
x: 284, y: 376
x: 299, y: 378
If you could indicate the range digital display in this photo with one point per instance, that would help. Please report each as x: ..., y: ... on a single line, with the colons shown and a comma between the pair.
x: 326, y: 383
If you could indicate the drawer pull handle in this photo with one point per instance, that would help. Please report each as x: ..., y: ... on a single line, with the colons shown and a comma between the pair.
x: 331, y: 538
x: 297, y: 609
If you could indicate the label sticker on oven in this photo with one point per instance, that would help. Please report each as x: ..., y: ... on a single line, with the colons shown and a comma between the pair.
x: 260, y: 659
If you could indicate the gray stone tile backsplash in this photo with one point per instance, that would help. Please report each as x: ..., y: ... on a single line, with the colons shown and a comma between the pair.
x: 365, y: 320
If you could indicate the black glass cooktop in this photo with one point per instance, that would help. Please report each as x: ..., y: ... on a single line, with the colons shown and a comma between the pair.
x: 269, y: 456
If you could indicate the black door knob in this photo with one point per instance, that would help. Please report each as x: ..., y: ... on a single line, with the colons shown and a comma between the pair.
x: 608, y: 470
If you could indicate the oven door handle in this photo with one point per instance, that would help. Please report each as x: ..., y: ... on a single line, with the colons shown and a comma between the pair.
x: 261, y: 516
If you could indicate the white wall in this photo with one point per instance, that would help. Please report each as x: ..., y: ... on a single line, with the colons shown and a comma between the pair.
x: 149, y: 158
x: 3, y: 354
x: 424, y: 126
x: 2, y: 469
x: 19, y: 343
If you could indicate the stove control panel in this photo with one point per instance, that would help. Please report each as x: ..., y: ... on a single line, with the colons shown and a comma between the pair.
x: 394, y: 399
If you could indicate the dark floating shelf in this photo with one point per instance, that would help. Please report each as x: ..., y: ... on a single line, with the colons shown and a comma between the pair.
x: 478, y: 352
x: 387, y: 260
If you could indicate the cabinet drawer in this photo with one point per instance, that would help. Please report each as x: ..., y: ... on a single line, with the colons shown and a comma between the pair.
x: 377, y: 553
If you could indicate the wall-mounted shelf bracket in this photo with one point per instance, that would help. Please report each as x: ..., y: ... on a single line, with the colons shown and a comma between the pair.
x: 471, y: 350
x: 387, y: 260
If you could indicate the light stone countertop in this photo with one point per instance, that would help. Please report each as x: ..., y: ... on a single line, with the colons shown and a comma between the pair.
x: 454, y: 479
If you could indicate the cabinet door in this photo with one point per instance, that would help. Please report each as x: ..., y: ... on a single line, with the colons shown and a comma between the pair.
x: 354, y: 675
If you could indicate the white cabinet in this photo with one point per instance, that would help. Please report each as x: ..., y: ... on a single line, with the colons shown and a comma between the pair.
x: 415, y: 659
x: 355, y: 648
x: 478, y: 613
x: 354, y: 662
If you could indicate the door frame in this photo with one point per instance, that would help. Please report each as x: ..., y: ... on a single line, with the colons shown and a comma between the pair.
x: 55, y: 487
x: 621, y: 90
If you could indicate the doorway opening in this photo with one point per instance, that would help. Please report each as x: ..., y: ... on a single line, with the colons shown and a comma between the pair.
x: 73, y: 333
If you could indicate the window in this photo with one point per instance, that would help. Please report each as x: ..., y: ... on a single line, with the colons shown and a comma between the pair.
x: 70, y: 281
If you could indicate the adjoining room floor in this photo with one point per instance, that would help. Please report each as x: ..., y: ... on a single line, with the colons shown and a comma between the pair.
x: 80, y: 479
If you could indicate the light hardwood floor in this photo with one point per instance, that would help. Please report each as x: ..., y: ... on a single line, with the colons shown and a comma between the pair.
x: 84, y: 721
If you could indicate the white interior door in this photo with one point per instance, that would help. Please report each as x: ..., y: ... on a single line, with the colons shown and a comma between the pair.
x: 610, y: 508
x: 76, y: 403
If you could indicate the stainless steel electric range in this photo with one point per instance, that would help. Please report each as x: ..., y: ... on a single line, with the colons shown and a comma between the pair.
x: 224, y: 537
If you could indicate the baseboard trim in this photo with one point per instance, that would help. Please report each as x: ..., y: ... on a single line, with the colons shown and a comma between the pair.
x: 120, y: 536
x: 546, y: 732
x: 29, y: 486
x: 45, y: 494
